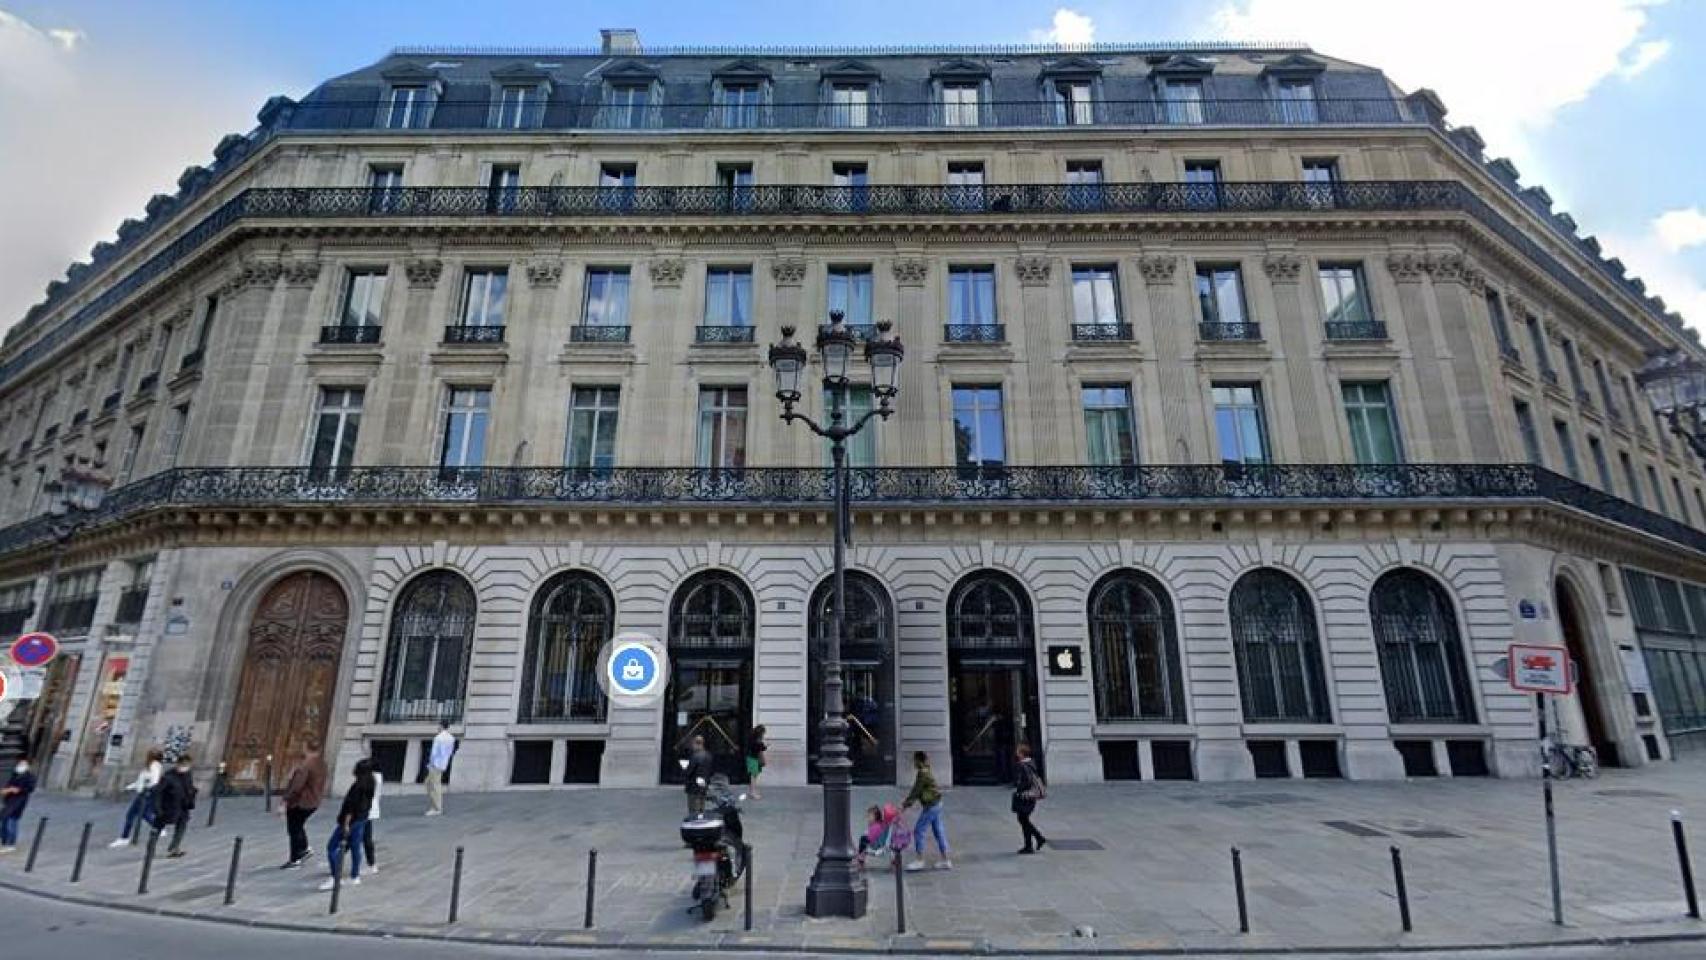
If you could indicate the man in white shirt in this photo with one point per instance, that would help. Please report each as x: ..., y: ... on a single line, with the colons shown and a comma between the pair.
x: 443, y: 748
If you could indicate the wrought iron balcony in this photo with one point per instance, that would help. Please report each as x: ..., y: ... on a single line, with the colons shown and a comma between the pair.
x: 1356, y: 330
x: 860, y: 331
x: 974, y: 333
x: 722, y: 334
x: 599, y: 333
x: 1101, y: 332
x: 147, y: 384
x: 473, y: 334
x: 1229, y: 331
x: 419, y: 711
x: 350, y: 333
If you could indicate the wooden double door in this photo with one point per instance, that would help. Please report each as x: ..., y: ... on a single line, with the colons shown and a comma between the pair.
x: 290, y: 676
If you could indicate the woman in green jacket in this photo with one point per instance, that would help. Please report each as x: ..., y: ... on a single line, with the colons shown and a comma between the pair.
x: 928, y: 796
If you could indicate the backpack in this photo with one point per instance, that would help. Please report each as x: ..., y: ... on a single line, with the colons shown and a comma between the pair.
x: 1036, y: 788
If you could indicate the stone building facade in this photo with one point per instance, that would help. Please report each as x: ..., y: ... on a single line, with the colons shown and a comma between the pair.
x: 1248, y: 415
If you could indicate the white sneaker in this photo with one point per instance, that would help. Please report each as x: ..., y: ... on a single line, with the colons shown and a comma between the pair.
x: 946, y: 864
x: 120, y: 842
x: 327, y: 885
x: 355, y: 881
x: 370, y: 870
x: 915, y: 866
x: 434, y: 813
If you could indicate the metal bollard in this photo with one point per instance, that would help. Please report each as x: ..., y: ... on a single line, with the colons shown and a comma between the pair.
x: 337, y: 884
x: 456, y: 887
x: 1687, y: 866
x: 148, y: 862
x: 1238, y: 884
x: 746, y: 859
x: 218, y: 788
x: 1403, y: 892
x: 591, y: 884
x: 35, y: 845
x: 268, y: 787
x: 231, y: 874
x: 899, y: 892
x: 82, y: 849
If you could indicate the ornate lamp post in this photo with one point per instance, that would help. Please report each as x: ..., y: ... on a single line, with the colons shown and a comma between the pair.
x: 1675, y: 385
x: 837, y: 889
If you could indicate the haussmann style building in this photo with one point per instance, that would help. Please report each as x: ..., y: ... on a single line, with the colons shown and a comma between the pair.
x: 1248, y: 414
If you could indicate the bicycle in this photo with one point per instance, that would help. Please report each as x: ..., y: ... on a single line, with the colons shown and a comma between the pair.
x: 1566, y: 760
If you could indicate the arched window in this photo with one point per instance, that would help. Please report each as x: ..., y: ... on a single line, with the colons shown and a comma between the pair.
x: 988, y: 611
x: 572, y: 619
x: 867, y: 675
x: 432, y: 634
x: 711, y: 624
x: 1280, y: 676
x: 1135, y: 650
x: 713, y: 612
x: 1421, y: 653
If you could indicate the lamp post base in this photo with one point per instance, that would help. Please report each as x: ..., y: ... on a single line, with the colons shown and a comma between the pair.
x: 837, y: 889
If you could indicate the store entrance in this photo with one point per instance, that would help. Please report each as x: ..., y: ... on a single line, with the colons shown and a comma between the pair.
x: 992, y: 707
x: 710, y: 699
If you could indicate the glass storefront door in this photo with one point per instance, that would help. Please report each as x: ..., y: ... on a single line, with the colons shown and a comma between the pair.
x: 710, y: 699
x: 868, y: 693
x: 992, y: 709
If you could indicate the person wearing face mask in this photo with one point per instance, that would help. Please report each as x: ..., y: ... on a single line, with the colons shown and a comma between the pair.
x: 14, y: 797
x: 176, y: 800
x: 142, y: 805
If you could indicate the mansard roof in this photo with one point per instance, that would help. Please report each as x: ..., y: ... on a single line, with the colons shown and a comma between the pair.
x: 1071, y: 66
x: 1182, y: 65
x: 741, y: 70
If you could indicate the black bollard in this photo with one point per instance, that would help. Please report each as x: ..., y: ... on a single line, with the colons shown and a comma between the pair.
x: 1687, y: 867
x: 1238, y: 884
x: 218, y: 788
x: 337, y: 884
x: 1403, y: 892
x: 82, y: 849
x: 591, y: 884
x: 746, y: 859
x: 456, y: 886
x: 268, y: 787
x: 35, y: 845
x: 231, y: 874
x: 899, y: 893
x: 147, y: 862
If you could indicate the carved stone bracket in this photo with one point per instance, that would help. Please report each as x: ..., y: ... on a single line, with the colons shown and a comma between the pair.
x: 424, y: 272
x: 1449, y: 268
x: 789, y: 271
x: 1283, y: 267
x: 300, y: 273
x: 1407, y: 267
x: 1033, y: 271
x: 668, y: 271
x: 911, y: 271
x: 253, y: 273
x: 1158, y: 268
x: 544, y: 272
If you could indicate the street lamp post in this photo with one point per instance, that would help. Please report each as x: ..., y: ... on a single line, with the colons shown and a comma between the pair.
x: 1675, y: 385
x: 837, y: 888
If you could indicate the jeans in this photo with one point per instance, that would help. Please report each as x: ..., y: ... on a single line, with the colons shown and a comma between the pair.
x: 9, y: 831
x: 296, y: 826
x: 335, y: 848
x: 141, y: 808
x: 930, y: 817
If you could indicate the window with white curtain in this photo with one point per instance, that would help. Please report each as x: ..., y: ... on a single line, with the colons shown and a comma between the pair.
x: 728, y: 297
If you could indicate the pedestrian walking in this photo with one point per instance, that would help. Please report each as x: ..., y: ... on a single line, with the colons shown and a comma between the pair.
x: 755, y: 747
x: 438, y: 763
x: 14, y: 797
x: 372, y: 818
x: 1028, y: 788
x: 352, y: 826
x: 302, y: 795
x: 699, y: 772
x: 142, y: 804
x: 928, y: 795
x: 176, y: 801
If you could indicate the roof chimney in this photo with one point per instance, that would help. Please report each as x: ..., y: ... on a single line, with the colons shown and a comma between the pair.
x: 620, y: 40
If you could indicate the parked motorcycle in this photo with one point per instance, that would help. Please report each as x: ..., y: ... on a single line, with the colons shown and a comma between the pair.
x: 719, y: 853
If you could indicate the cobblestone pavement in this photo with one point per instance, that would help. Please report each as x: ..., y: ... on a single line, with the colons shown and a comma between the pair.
x: 1143, y: 865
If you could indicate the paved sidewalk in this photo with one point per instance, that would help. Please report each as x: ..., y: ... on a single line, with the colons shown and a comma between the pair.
x: 1145, y: 865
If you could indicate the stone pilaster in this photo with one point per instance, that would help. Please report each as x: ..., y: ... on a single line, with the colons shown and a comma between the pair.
x: 1293, y: 328
x: 1176, y: 389
x: 1471, y: 353
x: 919, y: 327
x: 1430, y: 356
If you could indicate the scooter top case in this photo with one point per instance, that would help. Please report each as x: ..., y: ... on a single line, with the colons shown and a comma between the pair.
x: 702, y: 832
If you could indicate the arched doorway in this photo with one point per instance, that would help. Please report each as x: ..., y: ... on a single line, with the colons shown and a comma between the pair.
x: 711, y: 627
x: 290, y: 675
x: 867, y: 674
x: 1573, y: 623
x: 992, y: 677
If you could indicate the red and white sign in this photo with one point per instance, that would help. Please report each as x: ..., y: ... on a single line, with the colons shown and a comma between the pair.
x: 34, y: 650
x: 5, y: 685
x: 1540, y: 669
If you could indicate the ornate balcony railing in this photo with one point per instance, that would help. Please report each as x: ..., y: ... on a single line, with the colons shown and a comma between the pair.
x: 457, y: 333
x: 419, y: 711
x: 1356, y: 330
x: 860, y: 331
x: 350, y: 333
x: 599, y: 333
x: 1101, y: 332
x: 974, y: 332
x: 722, y: 334
x: 1229, y: 331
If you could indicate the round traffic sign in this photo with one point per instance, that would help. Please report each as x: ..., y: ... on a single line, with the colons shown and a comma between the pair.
x: 34, y: 649
x: 5, y: 686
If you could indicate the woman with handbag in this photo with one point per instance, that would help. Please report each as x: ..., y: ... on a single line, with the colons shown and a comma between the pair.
x: 1028, y: 788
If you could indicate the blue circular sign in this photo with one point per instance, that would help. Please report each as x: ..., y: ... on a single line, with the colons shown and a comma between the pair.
x: 34, y: 650
x: 632, y: 669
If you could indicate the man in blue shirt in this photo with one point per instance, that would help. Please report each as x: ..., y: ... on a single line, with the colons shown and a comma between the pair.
x: 443, y: 748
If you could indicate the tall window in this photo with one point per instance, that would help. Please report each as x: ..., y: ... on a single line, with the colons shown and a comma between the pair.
x: 1184, y: 101
x: 1296, y: 101
x: 209, y: 313
x: 1658, y: 491
x: 960, y: 104
x: 519, y: 106
x: 1095, y: 295
x: 1601, y: 467
x: 980, y: 438
x: 629, y: 106
x: 1537, y: 340
x: 1681, y: 501
x: 1240, y: 424
x: 965, y: 185
x: 1220, y: 295
x: 606, y: 301
x: 1574, y: 366
x: 1202, y: 184
x: 1567, y: 449
x: 1135, y: 651
x: 862, y: 446
x: 408, y: 108
x: 1501, y: 328
x: 1530, y: 436
x: 1280, y: 674
x: 736, y: 179
x: 503, y: 187
x: 740, y: 104
x: 853, y: 185
x: 467, y: 413
x: 483, y: 297
x: 728, y: 297
x: 592, y: 428
x: 573, y: 617
x: 121, y: 371
x: 722, y: 427
x: 1108, y: 425
x: 364, y: 295
x: 432, y: 634
x: 132, y: 446
x: 850, y: 105
x: 1073, y: 102
x: 1322, y: 170
x: 616, y: 185
x: 1421, y: 653
x: 1374, y: 425
x: 1345, y: 297
x: 336, y: 423
x: 1084, y: 183
x: 1630, y: 479
x: 173, y: 443
x: 1605, y: 394
x: 850, y: 293
x: 385, y: 187
x: 971, y: 296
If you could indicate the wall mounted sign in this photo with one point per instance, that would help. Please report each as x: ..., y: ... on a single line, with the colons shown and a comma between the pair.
x: 1065, y: 661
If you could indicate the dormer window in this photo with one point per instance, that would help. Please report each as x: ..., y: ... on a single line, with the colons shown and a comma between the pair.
x: 850, y: 105
x: 409, y: 108
x: 1296, y: 100
x: 1184, y: 100
x: 1074, y: 102
x: 629, y: 106
x: 519, y: 107
x: 849, y: 91
x: 739, y: 104
x: 960, y: 104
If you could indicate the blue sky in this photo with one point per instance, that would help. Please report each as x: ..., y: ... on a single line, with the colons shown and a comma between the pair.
x: 103, y: 103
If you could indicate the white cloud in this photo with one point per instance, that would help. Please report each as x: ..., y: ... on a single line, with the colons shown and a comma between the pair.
x: 1681, y: 228
x: 1070, y: 28
x: 68, y: 39
x: 1644, y: 57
